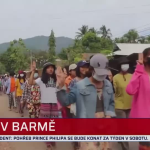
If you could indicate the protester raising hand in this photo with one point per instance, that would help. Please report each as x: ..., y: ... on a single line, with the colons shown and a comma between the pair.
x: 60, y: 77
x: 33, y: 66
x: 139, y: 62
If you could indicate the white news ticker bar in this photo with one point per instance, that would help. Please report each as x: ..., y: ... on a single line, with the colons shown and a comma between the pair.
x: 74, y: 138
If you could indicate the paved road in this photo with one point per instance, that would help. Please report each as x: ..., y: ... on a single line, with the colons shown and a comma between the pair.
x: 5, y: 113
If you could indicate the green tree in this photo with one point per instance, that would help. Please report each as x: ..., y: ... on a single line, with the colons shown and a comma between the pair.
x: 93, y: 30
x: 104, y: 32
x: 2, y: 68
x: 148, y: 39
x: 142, y: 39
x: 71, y: 54
x: 91, y: 42
x: 52, y: 46
x: 15, y: 58
x: 121, y: 40
x: 131, y: 36
x: 87, y: 41
x: 40, y: 57
x: 106, y: 44
x: 95, y: 44
x: 82, y: 31
x: 63, y: 54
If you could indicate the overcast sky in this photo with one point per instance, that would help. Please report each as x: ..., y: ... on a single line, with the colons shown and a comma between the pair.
x: 29, y: 18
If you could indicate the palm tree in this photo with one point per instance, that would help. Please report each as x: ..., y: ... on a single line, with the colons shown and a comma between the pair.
x: 82, y: 31
x: 93, y: 30
x: 106, y: 33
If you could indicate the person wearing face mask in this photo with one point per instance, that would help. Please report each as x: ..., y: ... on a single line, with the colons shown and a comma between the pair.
x: 139, y: 87
x: 94, y: 96
x: 20, y: 84
x: 122, y: 99
x: 32, y: 97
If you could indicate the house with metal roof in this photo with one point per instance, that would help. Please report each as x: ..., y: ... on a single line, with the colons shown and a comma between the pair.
x: 126, y: 49
x: 129, y: 50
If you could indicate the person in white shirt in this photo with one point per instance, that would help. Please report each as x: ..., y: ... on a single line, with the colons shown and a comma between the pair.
x: 47, y: 83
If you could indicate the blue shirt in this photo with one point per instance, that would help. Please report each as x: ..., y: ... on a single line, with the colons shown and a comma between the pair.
x: 84, y: 94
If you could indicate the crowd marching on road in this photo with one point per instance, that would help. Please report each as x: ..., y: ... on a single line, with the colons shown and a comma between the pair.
x: 63, y: 92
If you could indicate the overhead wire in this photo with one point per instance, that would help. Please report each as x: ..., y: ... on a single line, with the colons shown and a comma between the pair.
x: 92, y: 11
x: 145, y: 29
x: 126, y: 7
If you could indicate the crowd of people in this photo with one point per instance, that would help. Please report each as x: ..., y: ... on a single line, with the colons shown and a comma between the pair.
x: 82, y: 90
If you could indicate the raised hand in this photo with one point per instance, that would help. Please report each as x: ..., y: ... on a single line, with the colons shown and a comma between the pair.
x: 60, y: 77
x: 140, y: 62
x: 33, y: 66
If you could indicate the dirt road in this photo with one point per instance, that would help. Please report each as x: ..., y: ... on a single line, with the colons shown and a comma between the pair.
x: 5, y: 113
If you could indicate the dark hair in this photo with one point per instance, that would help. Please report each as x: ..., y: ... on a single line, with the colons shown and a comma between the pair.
x: 89, y: 74
x: 78, y: 74
x: 145, y: 52
x: 91, y: 69
x: 11, y: 74
x: 67, y: 69
x: 24, y: 77
x: 45, y: 77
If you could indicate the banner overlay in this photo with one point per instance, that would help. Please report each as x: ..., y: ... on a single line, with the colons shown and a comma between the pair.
x: 74, y: 138
x: 74, y: 127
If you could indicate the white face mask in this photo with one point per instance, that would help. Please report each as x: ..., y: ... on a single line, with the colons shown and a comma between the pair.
x: 21, y: 75
x: 125, y: 67
x: 36, y: 75
x: 99, y: 78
